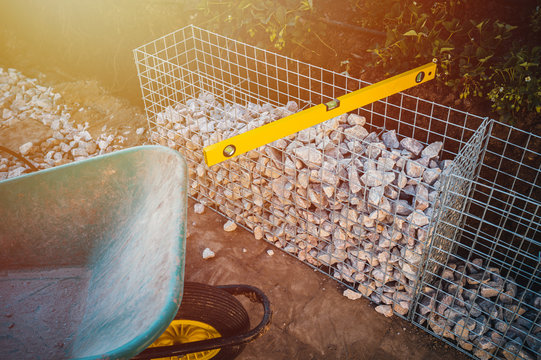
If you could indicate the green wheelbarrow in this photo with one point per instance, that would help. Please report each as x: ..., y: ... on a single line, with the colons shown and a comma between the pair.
x: 92, y: 266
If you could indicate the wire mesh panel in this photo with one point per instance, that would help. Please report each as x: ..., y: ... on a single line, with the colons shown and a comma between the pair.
x: 484, y: 295
x: 456, y: 185
x: 356, y: 197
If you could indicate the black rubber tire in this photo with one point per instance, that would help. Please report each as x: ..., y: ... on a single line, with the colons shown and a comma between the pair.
x: 218, y: 308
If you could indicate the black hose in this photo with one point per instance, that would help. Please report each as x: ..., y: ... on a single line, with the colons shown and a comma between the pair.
x: 20, y: 157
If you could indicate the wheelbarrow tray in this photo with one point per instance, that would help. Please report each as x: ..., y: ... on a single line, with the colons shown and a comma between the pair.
x: 92, y: 255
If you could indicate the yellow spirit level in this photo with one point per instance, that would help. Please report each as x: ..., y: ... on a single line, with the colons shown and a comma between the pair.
x: 301, y: 120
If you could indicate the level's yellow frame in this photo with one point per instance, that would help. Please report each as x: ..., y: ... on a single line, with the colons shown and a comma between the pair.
x: 301, y: 120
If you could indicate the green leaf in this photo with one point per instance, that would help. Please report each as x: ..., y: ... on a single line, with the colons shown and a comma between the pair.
x: 306, y: 5
x: 526, y: 64
x: 410, y: 33
x: 485, y: 58
x: 480, y: 25
x: 510, y: 27
x: 444, y: 49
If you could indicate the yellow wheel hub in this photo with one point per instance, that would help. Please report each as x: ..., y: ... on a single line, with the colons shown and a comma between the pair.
x: 185, y: 331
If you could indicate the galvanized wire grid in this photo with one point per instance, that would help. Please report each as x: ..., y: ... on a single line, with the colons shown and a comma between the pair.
x: 200, y: 88
x: 484, y: 296
x: 301, y: 194
x: 456, y: 185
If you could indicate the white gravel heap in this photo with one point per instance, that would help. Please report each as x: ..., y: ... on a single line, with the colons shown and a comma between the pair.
x: 23, y: 99
x: 356, y: 204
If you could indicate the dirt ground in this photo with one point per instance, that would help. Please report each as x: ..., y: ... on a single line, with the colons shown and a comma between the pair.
x: 311, y: 317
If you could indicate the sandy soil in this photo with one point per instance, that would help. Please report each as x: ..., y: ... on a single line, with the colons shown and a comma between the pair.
x: 311, y: 317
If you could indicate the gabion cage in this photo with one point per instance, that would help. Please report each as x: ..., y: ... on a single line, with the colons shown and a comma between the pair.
x: 356, y: 197
x: 483, y: 293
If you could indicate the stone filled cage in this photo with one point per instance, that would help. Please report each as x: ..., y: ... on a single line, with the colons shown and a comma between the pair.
x: 483, y: 294
x: 375, y: 199
x: 345, y: 197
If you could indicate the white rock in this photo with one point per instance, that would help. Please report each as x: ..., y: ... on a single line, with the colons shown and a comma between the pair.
x: 385, y: 164
x: 391, y: 192
x: 281, y: 187
x: 200, y: 170
x: 77, y: 152
x: 198, y: 208
x: 418, y: 218
x: 24, y: 149
x: 65, y: 147
x: 352, y: 295
x: 386, y: 310
x: 16, y: 172
x: 6, y: 114
x: 83, y: 135
x: 289, y: 167
x: 270, y: 252
x: 311, y: 156
x: 375, y: 195
x: 390, y: 140
x: 258, y: 232
x: 402, y: 180
x: 409, y: 271
x: 55, y: 124
x: 140, y: 131
x: 421, y: 198
x: 207, y: 253
x: 91, y: 147
x: 412, y: 145
x: 377, y: 178
x: 57, y: 156
x: 316, y: 195
x: 375, y: 149
x: 328, y: 190
x: 327, y: 173
x: 413, y: 169
x: 354, y: 119
x: 354, y: 181
x: 380, y: 276
x: 431, y: 175
x: 355, y: 132
x: 307, y: 135
x: 403, y: 207
x: 292, y: 106
x: 230, y: 226
x: 303, y: 178
x: 411, y: 256
x: 102, y: 144
x: 432, y: 150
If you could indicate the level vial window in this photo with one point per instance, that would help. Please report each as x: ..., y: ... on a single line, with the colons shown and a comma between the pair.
x: 333, y: 104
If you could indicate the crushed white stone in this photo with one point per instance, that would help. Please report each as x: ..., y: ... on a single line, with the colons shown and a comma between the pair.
x: 198, y: 208
x: 230, y: 226
x: 352, y: 295
x: 207, y: 253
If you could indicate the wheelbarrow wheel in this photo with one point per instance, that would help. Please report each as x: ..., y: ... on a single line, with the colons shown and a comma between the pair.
x: 207, y: 312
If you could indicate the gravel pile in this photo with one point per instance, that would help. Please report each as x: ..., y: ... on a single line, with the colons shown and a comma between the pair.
x: 24, y: 104
x: 354, y: 203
